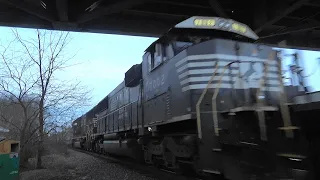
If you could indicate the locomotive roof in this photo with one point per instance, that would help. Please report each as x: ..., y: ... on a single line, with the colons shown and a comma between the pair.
x: 205, y: 23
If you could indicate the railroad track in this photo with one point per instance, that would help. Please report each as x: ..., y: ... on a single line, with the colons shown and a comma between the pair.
x: 144, y: 169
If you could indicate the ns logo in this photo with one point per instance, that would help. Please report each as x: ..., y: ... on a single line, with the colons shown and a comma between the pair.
x: 153, y: 84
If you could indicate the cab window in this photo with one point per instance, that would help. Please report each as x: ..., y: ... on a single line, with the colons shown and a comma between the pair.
x: 179, y: 46
x: 169, y: 52
x: 150, y: 61
x: 156, y: 57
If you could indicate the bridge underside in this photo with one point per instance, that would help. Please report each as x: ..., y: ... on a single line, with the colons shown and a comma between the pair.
x: 291, y: 22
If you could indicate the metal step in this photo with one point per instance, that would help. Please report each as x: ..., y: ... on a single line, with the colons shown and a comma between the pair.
x: 216, y: 149
x: 211, y: 171
x: 248, y: 143
x: 289, y: 128
x: 292, y: 157
x: 253, y: 108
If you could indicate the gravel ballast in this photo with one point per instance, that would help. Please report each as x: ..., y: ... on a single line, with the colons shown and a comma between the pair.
x: 79, y: 166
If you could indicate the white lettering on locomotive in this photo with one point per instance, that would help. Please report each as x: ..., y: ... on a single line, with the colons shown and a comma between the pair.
x: 153, y: 84
x: 250, y: 74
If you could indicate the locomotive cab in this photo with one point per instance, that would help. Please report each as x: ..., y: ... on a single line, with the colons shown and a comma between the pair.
x: 179, y: 67
x: 207, y: 80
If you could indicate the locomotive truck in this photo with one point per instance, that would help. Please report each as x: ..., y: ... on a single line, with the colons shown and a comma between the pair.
x: 206, y: 96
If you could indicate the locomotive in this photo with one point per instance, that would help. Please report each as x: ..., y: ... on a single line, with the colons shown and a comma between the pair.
x: 206, y: 96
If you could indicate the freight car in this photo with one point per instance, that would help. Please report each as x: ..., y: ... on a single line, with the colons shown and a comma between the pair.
x: 206, y: 96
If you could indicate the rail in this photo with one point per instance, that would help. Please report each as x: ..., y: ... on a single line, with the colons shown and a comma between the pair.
x: 214, y: 111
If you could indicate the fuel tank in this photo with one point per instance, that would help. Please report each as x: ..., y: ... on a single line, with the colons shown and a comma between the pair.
x: 128, y: 147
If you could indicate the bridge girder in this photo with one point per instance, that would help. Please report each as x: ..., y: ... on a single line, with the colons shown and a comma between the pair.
x: 295, y: 21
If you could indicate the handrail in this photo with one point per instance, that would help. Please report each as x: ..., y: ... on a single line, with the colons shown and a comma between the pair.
x: 283, y: 107
x: 204, y: 92
x: 283, y: 99
x: 262, y: 81
x: 104, y: 116
x: 200, y: 100
x: 260, y: 103
x: 214, y: 100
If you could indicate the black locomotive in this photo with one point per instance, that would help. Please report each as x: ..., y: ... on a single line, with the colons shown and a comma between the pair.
x: 207, y: 96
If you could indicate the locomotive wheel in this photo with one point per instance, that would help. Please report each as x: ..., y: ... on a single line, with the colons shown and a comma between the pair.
x: 177, y: 169
x: 170, y: 161
x: 195, y: 165
x: 147, y: 157
x: 204, y: 175
x: 155, y: 162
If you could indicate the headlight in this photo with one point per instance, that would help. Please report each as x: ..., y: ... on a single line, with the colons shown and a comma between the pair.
x: 224, y: 24
x: 239, y: 27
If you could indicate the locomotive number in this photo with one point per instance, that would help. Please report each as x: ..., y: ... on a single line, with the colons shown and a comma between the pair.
x: 204, y: 22
x: 155, y: 83
x: 252, y: 73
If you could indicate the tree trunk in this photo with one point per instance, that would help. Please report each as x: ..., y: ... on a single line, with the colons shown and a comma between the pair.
x: 24, y: 148
x: 23, y: 154
x: 41, y: 134
x: 38, y: 156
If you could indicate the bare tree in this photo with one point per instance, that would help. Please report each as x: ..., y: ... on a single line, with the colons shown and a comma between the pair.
x: 30, y: 70
x: 17, y: 109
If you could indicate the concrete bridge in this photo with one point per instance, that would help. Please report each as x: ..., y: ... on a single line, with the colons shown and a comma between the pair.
x: 288, y: 22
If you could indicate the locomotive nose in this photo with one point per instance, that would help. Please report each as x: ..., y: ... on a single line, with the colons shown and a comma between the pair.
x: 236, y: 68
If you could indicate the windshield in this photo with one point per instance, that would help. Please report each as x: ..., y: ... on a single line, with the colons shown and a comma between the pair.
x: 196, y: 36
x: 184, y: 38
